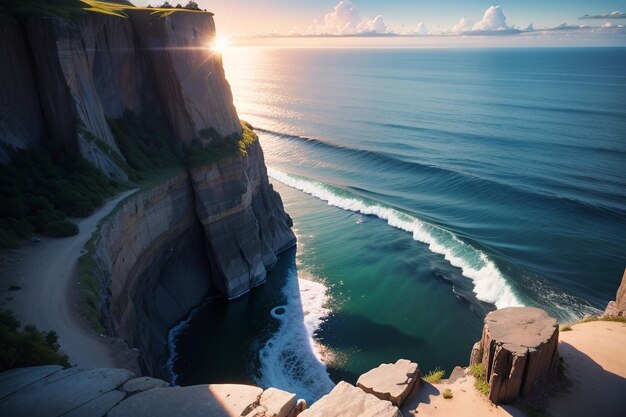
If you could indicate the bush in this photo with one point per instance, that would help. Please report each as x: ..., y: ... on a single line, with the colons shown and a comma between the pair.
x: 40, y: 188
x: 478, y: 371
x: 27, y: 348
x: 61, y: 228
x: 434, y: 376
x: 447, y: 394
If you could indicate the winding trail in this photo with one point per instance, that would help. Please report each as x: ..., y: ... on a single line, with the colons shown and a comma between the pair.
x: 44, y: 272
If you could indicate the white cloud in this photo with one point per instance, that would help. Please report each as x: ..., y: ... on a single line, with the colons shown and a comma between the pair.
x: 421, y: 29
x: 493, y: 19
x: 345, y: 19
x: 463, y: 25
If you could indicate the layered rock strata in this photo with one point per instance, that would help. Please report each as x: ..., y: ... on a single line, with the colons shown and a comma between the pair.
x: 218, y: 226
x: 518, y: 349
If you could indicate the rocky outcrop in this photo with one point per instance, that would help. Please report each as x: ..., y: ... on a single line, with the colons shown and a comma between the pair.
x: 189, y: 76
x: 617, y: 308
x: 227, y: 400
x: 392, y: 381
x: 244, y: 222
x: 346, y: 400
x: 50, y: 391
x: 518, y: 349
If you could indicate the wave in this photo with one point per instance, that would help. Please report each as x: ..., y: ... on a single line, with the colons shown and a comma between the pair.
x: 462, y: 182
x: 490, y: 285
x: 291, y: 360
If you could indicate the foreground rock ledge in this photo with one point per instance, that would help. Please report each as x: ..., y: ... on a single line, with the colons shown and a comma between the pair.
x: 519, y: 351
x: 391, y: 381
x: 346, y: 400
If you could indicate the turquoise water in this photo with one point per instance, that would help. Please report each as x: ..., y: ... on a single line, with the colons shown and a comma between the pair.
x: 427, y: 188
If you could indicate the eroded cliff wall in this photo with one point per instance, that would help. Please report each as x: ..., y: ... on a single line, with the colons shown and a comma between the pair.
x: 217, y: 226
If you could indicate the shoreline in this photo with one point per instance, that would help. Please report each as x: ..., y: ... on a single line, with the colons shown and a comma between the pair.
x: 49, y: 294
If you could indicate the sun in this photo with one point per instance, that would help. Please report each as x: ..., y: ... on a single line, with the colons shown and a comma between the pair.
x: 219, y: 44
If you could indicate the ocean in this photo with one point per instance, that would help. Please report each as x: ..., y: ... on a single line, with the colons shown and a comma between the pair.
x: 427, y: 188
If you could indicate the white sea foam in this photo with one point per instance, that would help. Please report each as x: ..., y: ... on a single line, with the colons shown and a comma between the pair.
x: 290, y: 359
x: 489, y: 283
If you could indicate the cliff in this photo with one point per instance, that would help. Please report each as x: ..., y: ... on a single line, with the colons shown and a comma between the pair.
x: 99, y: 85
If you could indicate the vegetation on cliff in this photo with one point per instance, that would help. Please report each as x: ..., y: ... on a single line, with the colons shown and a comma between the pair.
x: 211, y: 148
x: 41, y: 189
x: 68, y: 8
x: 28, y: 347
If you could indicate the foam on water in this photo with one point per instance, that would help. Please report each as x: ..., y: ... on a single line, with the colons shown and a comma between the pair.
x: 490, y: 285
x: 291, y: 360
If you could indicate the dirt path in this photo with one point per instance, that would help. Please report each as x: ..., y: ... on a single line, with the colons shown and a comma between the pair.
x: 44, y: 272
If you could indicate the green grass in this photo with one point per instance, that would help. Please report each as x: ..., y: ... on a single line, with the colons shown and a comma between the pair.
x: 212, y: 148
x: 70, y: 8
x: 27, y: 347
x: 616, y: 319
x: 447, y: 394
x: 478, y: 371
x: 434, y: 376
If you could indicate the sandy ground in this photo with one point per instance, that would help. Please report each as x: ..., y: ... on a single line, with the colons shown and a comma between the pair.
x: 44, y: 272
x: 595, y: 364
x: 594, y: 354
x: 466, y: 401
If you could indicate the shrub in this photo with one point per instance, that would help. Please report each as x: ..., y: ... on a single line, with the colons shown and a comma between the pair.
x: 62, y: 228
x: 566, y: 328
x: 478, y: 371
x: 447, y: 394
x: 434, y: 376
x: 29, y: 347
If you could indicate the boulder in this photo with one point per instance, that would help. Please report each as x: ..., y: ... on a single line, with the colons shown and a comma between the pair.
x: 391, y: 381
x: 617, y: 308
x: 346, y: 400
x: 216, y: 400
x: 144, y: 383
x: 73, y: 391
x: 518, y: 350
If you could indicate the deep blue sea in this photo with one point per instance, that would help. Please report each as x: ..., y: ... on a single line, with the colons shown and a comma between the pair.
x: 427, y: 187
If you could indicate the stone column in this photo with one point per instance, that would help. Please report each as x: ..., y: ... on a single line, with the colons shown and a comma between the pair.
x: 519, y: 351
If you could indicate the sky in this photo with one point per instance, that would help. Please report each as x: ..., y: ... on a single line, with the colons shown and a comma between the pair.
x: 434, y: 17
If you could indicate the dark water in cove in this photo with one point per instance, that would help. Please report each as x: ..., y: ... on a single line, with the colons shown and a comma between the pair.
x: 427, y: 188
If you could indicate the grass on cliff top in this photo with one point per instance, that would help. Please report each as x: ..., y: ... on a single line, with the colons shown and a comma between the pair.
x: 435, y: 376
x: 617, y: 319
x: 68, y: 8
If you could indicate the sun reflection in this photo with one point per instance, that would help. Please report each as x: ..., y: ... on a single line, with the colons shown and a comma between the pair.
x: 219, y: 44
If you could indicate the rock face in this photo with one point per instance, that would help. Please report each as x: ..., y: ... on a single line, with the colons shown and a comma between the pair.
x: 244, y: 222
x: 49, y: 391
x: 617, y: 308
x: 208, y: 400
x: 346, y: 400
x: 519, y: 351
x: 392, y: 382
x: 52, y: 392
x: 70, y: 78
x: 19, y: 96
